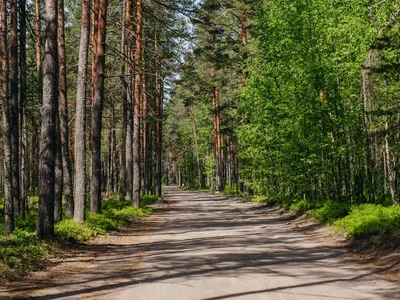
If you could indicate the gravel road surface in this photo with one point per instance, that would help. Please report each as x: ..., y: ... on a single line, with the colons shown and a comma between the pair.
x: 208, y: 247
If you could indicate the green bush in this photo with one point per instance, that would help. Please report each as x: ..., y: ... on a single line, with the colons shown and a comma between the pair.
x: 21, y: 253
x: 231, y: 191
x: 369, y: 219
x: 79, y: 231
x: 148, y: 199
x: 303, y: 206
x: 330, y: 211
x: 102, y: 222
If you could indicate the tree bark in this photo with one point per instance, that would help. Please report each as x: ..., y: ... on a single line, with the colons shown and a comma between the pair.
x: 14, y: 107
x: 38, y: 46
x: 64, y: 131
x: 136, y: 106
x: 122, y: 162
x: 45, y: 226
x: 146, y: 137
x: 158, y: 117
x: 97, y: 107
x: 8, y: 199
x: 80, y: 119
x: 129, y: 107
x: 58, y: 173
x: 23, y: 85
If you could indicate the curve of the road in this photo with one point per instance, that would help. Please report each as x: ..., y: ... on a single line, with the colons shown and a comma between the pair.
x: 203, y: 246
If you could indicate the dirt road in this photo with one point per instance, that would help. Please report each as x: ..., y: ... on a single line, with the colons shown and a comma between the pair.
x: 202, y: 246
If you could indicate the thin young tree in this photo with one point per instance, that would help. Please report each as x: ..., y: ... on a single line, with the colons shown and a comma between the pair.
x: 122, y: 162
x: 129, y: 104
x: 157, y: 126
x: 45, y: 226
x: 14, y: 105
x: 38, y: 48
x: 8, y: 200
x: 80, y: 118
x: 63, y: 103
x: 136, y: 104
x: 23, y: 116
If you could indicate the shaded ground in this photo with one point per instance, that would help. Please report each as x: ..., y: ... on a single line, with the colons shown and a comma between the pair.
x: 203, y: 246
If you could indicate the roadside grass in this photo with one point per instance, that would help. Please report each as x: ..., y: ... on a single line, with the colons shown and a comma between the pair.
x: 364, y: 221
x: 21, y: 252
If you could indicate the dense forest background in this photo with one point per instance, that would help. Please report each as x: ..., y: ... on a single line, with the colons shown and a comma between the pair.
x: 295, y: 101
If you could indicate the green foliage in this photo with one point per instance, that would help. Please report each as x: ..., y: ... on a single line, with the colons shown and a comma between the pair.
x: 146, y: 200
x: 303, y: 206
x: 116, y: 214
x: 330, y: 211
x: 21, y: 253
x: 79, y: 231
x: 370, y: 219
x: 231, y: 191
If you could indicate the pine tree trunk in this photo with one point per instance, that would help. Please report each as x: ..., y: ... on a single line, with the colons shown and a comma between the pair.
x: 23, y: 85
x: 157, y: 125
x: 64, y: 131
x: 217, y: 140
x: 80, y: 118
x: 58, y: 173
x: 8, y: 199
x: 14, y: 107
x: 38, y: 46
x: 45, y: 226
x: 390, y: 172
x: 146, y: 148
x: 122, y: 161
x: 129, y: 141
x: 136, y: 106
x: 97, y: 107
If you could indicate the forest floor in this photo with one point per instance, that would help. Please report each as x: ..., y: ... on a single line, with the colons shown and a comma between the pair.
x: 207, y: 246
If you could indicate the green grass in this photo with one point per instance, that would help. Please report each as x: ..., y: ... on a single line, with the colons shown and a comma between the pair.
x: 358, y: 221
x: 369, y: 219
x: 22, y: 252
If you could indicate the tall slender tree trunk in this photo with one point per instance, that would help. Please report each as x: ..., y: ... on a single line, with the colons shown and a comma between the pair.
x: 97, y: 107
x: 24, y: 140
x: 129, y: 105
x: 136, y: 106
x: 58, y: 173
x: 80, y: 118
x: 146, y: 136
x: 389, y: 169
x: 244, y: 40
x: 122, y: 162
x: 8, y: 199
x: 14, y: 107
x: 64, y: 131
x: 38, y: 48
x: 158, y: 118
x: 217, y: 138
x: 45, y: 226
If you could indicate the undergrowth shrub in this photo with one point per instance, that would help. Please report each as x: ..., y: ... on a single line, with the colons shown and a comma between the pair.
x: 79, y: 231
x: 21, y: 253
x: 148, y: 200
x: 330, y: 211
x: 231, y: 191
x: 369, y: 219
x: 303, y: 206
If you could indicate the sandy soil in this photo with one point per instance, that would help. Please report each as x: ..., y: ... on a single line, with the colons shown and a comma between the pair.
x: 205, y: 246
